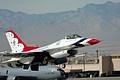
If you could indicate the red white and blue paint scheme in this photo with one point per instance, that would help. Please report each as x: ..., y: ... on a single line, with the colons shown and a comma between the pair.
x: 55, y: 52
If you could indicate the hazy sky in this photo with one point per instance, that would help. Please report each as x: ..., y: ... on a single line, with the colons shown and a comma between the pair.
x: 46, y: 6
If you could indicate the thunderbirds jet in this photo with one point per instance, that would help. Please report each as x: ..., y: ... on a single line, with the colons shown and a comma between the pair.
x: 55, y: 52
x: 32, y: 72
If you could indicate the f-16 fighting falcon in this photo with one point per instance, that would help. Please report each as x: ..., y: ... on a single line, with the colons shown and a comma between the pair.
x: 56, y: 52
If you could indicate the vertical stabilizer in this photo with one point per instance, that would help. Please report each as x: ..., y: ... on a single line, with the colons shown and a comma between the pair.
x: 16, y: 44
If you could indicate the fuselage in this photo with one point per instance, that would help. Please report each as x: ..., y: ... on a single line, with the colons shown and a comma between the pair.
x: 60, y: 48
x: 39, y: 72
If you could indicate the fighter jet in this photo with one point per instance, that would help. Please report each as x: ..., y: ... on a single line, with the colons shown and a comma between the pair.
x: 32, y: 72
x: 55, y: 52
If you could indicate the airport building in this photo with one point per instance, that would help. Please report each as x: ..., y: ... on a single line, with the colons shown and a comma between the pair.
x: 99, y: 66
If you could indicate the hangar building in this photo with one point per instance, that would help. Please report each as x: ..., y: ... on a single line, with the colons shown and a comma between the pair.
x: 104, y: 65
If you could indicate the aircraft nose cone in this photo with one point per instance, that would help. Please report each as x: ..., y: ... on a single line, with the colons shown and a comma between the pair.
x: 93, y: 41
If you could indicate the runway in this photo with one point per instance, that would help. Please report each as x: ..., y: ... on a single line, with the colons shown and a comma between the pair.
x: 97, y: 78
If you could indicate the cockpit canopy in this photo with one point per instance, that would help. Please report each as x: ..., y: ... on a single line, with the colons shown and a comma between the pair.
x: 73, y: 36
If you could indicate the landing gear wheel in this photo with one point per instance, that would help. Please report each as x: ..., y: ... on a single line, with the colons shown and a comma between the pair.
x: 45, y: 61
x: 63, y: 65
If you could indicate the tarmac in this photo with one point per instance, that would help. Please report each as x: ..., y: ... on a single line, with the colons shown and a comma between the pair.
x: 96, y: 78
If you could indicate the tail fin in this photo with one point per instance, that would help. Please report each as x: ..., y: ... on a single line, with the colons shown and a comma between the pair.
x: 16, y: 44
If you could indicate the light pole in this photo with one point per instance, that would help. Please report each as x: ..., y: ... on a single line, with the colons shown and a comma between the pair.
x: 97, y: 56
x: 84, y: 61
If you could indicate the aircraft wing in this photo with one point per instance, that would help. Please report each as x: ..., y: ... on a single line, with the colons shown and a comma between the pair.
x: 22, y: 54
x: 16, y: 62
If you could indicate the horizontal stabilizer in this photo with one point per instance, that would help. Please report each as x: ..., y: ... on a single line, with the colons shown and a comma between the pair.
x: 12, y: 60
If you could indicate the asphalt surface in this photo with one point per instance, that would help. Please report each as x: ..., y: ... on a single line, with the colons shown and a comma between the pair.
x: 97, y: 78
